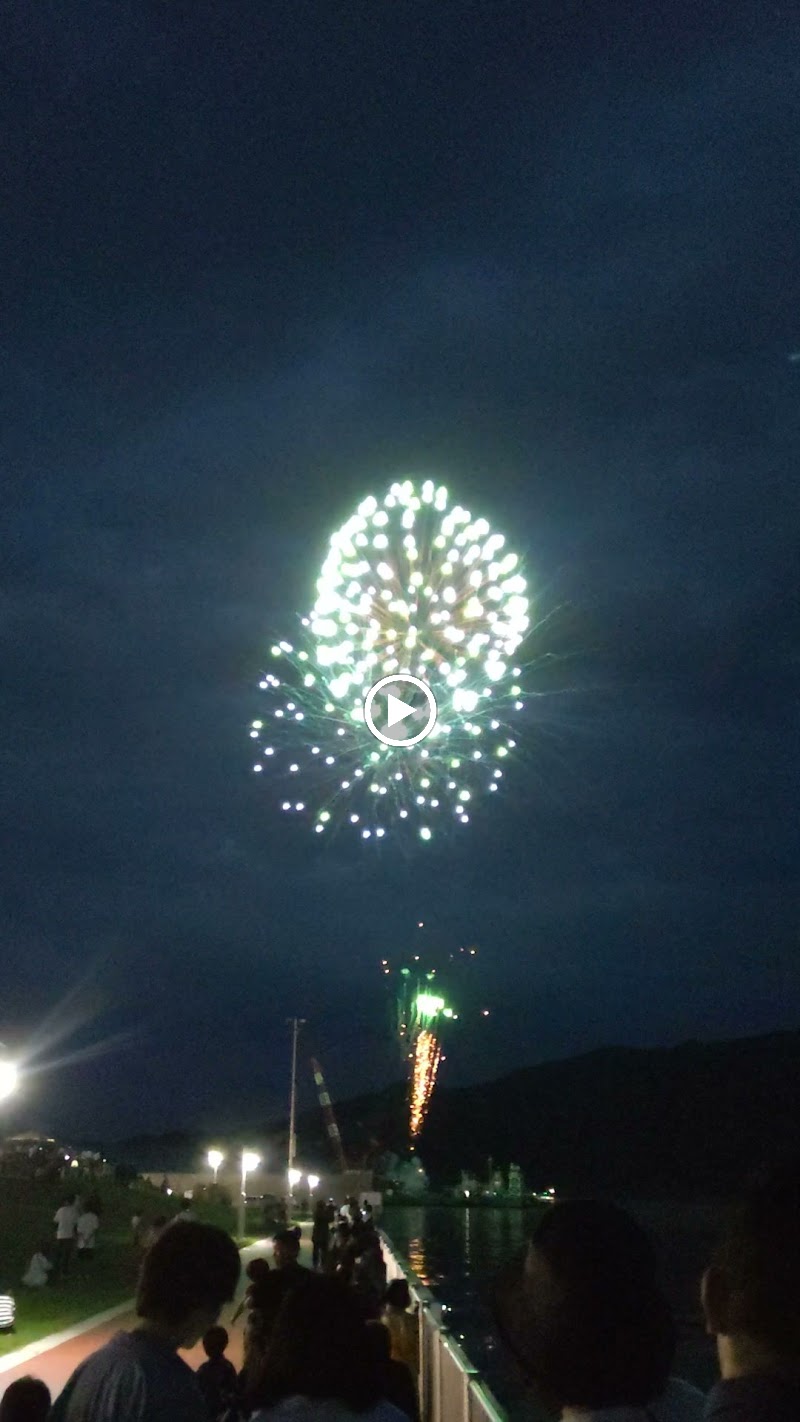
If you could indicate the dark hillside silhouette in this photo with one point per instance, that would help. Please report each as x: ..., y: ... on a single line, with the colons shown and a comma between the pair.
x: 689, y: 1120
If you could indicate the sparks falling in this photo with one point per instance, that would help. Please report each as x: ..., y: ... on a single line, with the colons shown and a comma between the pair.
x: 422, y: 1014
x: 426, y: 1058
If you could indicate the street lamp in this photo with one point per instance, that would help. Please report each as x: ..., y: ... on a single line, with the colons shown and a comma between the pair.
x: 313, y: 1182
x: 215, y: 1159
x: 250, y: 1161
x: 294, y: 1177
x: 9, y: 1079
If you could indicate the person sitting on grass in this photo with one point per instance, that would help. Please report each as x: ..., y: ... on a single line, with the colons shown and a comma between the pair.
x: 751, y: 1304
x: 38, y: 1271
x: 186, y: 1277
x: 217, y: 1378
x: 588, y: 1323
x: 25, y: 1400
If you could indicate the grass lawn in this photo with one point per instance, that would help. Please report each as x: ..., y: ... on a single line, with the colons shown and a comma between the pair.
x: 26, y: 1213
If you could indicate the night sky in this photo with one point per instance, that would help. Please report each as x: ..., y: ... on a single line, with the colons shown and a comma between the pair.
x: 259, y: 260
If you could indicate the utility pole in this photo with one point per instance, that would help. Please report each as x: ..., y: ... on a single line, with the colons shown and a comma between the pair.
x: 295, y: 1023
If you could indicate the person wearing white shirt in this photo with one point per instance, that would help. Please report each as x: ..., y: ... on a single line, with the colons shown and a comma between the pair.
x: 65, y: 1219
x: 86, y: 1228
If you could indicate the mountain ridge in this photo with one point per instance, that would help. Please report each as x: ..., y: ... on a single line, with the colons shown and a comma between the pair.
x: 693, y: 1117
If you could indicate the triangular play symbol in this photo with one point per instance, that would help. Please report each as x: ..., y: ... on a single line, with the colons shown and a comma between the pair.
x: 397, y: 710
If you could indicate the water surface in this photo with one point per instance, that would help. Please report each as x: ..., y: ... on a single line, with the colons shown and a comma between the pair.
x: 457, y: 1252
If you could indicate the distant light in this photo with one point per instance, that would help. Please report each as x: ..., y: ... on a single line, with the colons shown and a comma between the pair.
x: 9, y: 1079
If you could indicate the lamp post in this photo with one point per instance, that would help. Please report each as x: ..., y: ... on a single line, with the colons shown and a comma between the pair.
x: 313, y: 1182
x: 294, y: 1177
x: 295, y: 1023
x: 215, y: 1159
x: 250, y: 1161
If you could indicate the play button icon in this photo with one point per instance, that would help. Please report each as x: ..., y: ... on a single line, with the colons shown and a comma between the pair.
x: 413, y: 714
x: 397, y: 711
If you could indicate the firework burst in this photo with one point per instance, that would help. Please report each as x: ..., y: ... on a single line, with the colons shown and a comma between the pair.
x: 409, y: 585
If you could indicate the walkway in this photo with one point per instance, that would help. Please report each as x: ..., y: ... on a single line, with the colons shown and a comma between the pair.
x: 58, y: 1359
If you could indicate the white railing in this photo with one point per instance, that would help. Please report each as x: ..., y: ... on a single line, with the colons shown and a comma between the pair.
x: 450, y: 1387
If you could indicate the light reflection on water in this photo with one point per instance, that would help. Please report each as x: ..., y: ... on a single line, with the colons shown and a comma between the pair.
x: 457, y: 1253
x: 415, y: 1254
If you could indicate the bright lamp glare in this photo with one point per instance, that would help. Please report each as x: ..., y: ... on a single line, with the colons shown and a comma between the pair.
x: 9, y: 1079
x: 250, y: 1161
x: 295, y: 1176
x: 215, y: 1159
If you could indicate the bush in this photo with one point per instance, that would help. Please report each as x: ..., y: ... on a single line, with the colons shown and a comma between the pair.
x: 212, y: 1205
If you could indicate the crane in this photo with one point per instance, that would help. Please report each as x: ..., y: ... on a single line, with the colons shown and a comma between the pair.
x: 327, y: 1111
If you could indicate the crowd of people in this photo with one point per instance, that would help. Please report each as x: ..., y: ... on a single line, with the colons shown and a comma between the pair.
x: 583, y: 1314
x: 145, y: 1231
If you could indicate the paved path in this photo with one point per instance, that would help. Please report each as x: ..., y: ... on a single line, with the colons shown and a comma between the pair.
x: 57, y: 1360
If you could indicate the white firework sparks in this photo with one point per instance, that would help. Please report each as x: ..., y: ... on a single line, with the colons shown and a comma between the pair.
x: 410, y: 586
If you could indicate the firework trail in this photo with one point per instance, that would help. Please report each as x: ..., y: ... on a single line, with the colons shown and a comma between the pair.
x: 425, y: 1065
x: 421, y: 1018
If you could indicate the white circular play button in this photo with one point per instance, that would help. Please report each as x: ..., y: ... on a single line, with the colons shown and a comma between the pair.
x: 404, y: 712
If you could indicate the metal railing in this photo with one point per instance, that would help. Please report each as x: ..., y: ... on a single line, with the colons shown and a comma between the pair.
x: 450, y: 1387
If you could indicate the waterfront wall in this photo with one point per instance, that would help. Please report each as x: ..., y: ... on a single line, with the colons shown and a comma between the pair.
x: 450, y: 1388
x: 261, y: 1182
